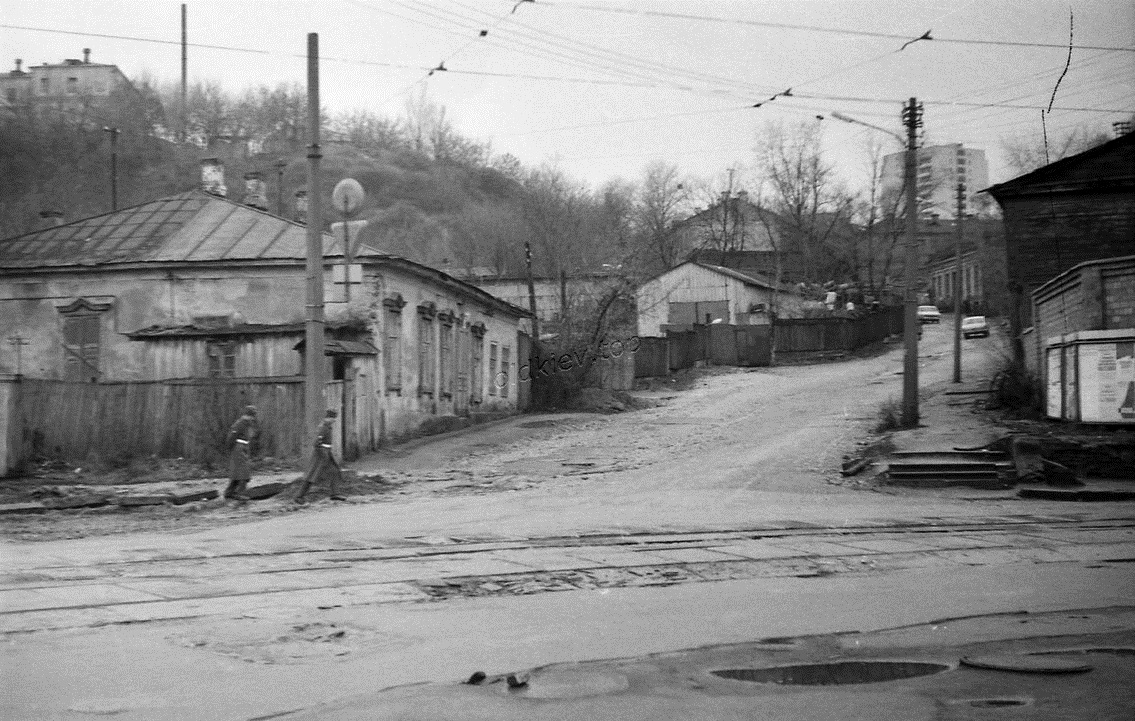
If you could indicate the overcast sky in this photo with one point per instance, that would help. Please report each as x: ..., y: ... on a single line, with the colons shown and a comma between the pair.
x: 603, y: 87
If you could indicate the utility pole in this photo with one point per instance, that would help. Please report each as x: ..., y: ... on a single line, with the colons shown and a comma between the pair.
x: 184, y: 74
x: 958, y: 284
x: 912, y: 118
x: 113, y: 166
x: 314, y: 402
x: 531, y: 289
x: 280, y: 165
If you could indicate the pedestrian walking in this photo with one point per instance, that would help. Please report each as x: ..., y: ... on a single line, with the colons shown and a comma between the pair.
x: 241, y: 434
x: 323, y: 463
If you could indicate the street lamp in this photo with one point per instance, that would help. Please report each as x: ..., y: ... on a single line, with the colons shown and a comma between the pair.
x: 912, y: 116
x: 348, y: 197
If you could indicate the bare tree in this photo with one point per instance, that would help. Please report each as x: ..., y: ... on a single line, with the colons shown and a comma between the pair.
x: 878, y: 214
x: 1026, y: 153
x: 803, y: 192
x: 661, y: 200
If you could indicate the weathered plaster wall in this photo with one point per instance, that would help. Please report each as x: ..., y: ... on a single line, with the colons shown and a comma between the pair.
x: 29, y: 308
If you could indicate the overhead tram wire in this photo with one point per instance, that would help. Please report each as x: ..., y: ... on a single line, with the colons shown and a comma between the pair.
x: 952, y: 114
x: 815, y: 28
x: 644, y: 81
x: 530, y: 76
x: 562, y: 51
x: 622, y: 59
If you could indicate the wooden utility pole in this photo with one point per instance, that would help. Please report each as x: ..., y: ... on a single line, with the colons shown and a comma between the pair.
x: 959, y: 285
x: 314, y: 403
x: 113, y: 166
x: 531, y: 289
x: 184, y: 114
x: 912, y: 118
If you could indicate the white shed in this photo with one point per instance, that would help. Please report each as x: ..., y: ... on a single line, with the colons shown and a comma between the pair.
x: 701, y: 293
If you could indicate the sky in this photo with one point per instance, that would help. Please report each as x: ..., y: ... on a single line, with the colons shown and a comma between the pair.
x: 602, y: 88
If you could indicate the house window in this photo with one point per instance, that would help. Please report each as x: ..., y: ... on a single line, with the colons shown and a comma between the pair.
x: 81, y: 347
x: 82, y: 334
x: 222, y: 358
x: 11, y: 95
x: 478, y: 363
x: 492, y: 369
x: 72, y: 86
x: 447, y: 355
x: 44, y: 86
x: 504, y: 377
x: 392, y: 349
x: 426, y: 359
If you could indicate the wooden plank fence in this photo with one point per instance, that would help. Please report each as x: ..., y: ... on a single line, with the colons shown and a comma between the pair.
x: 812, y: 335
x: 182, y: 418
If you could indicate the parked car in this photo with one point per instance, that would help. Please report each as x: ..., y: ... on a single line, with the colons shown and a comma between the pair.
x: 929, y: 314
x: 975, y: 326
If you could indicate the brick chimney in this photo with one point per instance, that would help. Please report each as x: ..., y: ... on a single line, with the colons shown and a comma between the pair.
x: 301, y: 207
x: 86, y: 56
x: 19, y: 67
x: 51, y: 218
x: 213, y: 177
x: 255, y: 191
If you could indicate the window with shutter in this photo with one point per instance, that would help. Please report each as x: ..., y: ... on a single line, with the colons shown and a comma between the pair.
x: 81, y: 347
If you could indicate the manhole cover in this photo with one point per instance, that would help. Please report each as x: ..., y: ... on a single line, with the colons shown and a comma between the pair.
x: 1026, y: 664
x: 834, y: 674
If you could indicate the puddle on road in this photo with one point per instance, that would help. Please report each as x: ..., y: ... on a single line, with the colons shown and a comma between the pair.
x: 833, y: 674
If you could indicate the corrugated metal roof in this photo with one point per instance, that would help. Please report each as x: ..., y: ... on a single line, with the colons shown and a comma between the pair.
x: 189, y: 226
x: 746, y: 277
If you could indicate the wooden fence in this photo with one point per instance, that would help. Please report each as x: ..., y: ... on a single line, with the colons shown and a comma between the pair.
x: 718, y: 344
x: 181, y: 418
x: 811, y: 335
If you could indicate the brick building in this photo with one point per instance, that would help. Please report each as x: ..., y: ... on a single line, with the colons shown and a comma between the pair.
x: 1078, y: 209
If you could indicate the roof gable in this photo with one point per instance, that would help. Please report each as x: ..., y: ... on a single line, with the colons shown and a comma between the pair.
x: 1108, y: 164
x: 748, y: 278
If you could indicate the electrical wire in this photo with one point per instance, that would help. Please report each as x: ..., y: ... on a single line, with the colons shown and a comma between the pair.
x: 816, y: 28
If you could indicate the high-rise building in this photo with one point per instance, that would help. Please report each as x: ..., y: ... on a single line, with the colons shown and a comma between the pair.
x: 940, y: 169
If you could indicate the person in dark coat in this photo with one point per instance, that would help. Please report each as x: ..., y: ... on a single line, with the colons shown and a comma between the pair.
x: 323, y: 461
x: 240, y: 438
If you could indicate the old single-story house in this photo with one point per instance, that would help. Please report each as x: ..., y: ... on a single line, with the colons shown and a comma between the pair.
x: 576, y: 290
x: 698, y: 293
x: 195, y: 285
x: 1077, y: 209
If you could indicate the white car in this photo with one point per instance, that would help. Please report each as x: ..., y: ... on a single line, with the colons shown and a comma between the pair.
x: 929, y: 314
x: 975, y: 326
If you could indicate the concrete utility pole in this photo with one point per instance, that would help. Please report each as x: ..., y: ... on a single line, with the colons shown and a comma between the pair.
x: 184, y: 114
x: 912, y: 118
x: 314, y: 403
x: 113, y: 166
x: 958, y: 284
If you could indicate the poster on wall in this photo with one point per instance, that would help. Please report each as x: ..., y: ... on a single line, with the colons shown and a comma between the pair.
x: 1107, y: 390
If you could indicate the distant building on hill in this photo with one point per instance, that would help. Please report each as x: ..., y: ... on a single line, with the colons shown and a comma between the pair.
x: 71, y: 86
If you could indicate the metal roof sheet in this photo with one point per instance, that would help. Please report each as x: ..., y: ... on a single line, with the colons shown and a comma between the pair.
x: 189, y: 226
